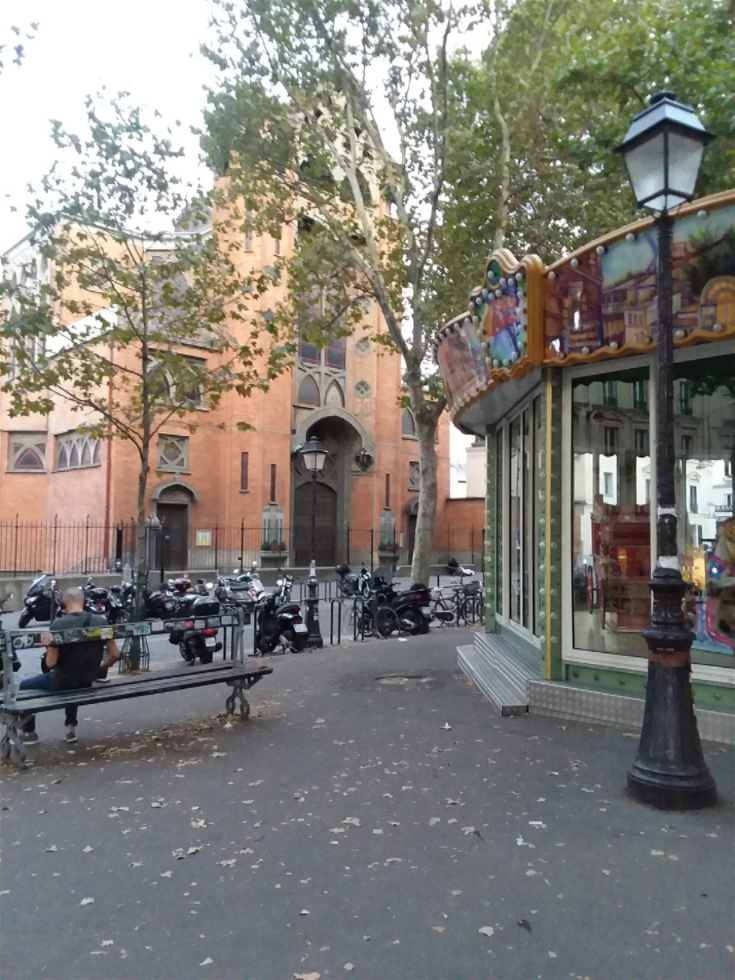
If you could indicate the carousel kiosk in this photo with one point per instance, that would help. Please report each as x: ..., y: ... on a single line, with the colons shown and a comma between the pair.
x: 555, y: 368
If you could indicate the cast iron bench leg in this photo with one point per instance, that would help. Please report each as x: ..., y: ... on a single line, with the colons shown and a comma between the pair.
x: 238, y: 693
x: 11, y: 746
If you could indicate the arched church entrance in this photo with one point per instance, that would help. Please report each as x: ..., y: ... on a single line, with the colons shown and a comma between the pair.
x: 330, y: 507
x: 172, y: 502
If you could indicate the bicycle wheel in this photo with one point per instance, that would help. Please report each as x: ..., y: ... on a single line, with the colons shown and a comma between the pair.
x: 471, y: 610
x: 386, y: 621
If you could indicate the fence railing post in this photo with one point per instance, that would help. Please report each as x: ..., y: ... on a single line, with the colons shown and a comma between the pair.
x: 53, y: 552
x: 348, y: 544
x: 15, y: 550
x: 472, y: 544
x: 216, y: 544
x: 372, y: 550
x: 86, y: 546
x: 242, y: 542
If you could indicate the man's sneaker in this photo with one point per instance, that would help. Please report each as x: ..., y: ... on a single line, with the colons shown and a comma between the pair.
x: 29, y: 738
x: 71, y: 734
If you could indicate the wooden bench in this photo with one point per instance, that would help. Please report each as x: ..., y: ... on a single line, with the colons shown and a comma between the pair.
x: 237, y: 673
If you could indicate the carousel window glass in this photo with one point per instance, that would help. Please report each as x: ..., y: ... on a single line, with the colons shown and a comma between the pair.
x: 704, y: 416
x: 524, y: 514
x: 611, y: 519
x: 499, y: 566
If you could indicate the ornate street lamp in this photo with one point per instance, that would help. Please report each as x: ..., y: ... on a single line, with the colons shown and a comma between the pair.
x: 663, y: 151
x: 314, y: 457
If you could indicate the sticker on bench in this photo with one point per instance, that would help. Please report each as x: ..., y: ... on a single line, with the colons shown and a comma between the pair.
x: 141, y: 629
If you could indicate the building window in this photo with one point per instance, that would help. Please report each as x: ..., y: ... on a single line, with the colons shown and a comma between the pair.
x: 273, y: 533
x: 414, y: 475
x: 335, y: 353
x: 362, y: 346
x: 607, y: 484
x: 611, y: 440
x: 273, y: 483
x: 640, y: 395
x: 27, y: 452
x: 249, y: 232
x: 276, y: 246
x: 173, y: 454
x: 362, y: 389
x: 647, y: 491
x: 685, y: 398
x: 244, y: 460
x: 693, y: 509
x: 687, y: 447
x: 76, y: 452
x: 308, y: 392
x: 387, y: 490
x: 408, y: 427
x: 610, y: 394
x: 641, y: 442
x: 308, y: 352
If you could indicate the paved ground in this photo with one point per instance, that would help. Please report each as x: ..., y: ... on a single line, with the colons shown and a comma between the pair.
x: 345, y: 830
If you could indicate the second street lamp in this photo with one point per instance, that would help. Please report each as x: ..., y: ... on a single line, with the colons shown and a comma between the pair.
x: 663, y: 151
x: 314, y: 457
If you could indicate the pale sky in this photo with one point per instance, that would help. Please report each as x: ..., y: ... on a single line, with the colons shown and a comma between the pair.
x: 146, y: 47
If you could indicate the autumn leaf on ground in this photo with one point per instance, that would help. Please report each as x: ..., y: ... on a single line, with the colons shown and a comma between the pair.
x: 486, y: 931
x: 86, y: 901
x: 307, y: 976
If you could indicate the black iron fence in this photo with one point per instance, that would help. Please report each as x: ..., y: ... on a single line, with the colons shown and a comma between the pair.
x: 88, y: 548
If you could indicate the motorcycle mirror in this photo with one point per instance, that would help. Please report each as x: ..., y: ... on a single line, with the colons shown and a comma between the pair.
x: 254, y: 564
x: 235, y: 571
x: 209, y: 585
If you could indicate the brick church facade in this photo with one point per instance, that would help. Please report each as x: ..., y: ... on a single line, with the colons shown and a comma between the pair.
x: 234, y: 491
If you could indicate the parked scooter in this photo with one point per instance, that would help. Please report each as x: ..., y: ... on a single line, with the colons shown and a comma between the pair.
x: 284, y: 587
x: 278, y: 624
x: 353, y: 583
x: 412, y: 606
x: 41, y: 601
x: 240, y: 591
x: 197, y: 643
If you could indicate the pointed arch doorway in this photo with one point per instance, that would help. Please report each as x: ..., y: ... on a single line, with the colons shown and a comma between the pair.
x: 323, y: 499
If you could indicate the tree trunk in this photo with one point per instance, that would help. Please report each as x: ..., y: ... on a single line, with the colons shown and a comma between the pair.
x: 424, y: 540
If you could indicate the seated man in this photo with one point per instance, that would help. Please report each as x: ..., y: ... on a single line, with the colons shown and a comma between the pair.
x: 70, y: 665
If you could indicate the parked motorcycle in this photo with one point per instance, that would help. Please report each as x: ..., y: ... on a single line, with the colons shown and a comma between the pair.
x: 40, y: 601
x: 412, y: 606
x: 278, y: 624
x: 240, y: 591
x: 353, y: 583
x: 197, y: 642
x: 105, y: 602
x: 284, y: 587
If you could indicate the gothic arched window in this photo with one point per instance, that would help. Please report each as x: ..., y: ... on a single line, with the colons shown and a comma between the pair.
x: 308, y: 392
x: 408, y: 426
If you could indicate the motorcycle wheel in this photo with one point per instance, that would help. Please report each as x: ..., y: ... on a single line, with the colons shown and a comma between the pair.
x: 121, y: 616
x: 25, y: 617
x: 386, y: 621
x: 266, y: 646
x: 419, y: 623
x: 297, y: 643
x: 185, y: 652
x: 364, y: 590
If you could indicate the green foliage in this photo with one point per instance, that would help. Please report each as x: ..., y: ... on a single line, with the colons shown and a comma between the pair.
x: 146, y: 316
x: 333, y: 117
x: 568, y: 76
x: 136, y: 325
x: 16, y: 47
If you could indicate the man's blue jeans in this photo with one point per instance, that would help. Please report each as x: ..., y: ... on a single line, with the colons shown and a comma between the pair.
x: 45, y: 682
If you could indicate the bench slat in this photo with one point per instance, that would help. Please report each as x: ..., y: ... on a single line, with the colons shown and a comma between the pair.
x: 33, y: 702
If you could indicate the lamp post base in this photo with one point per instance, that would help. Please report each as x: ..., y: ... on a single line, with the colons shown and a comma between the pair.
x: 314, y: 638
x: 669, y: 771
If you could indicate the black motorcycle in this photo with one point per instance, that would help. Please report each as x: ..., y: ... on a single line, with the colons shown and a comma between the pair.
x: 278, y: 624
x: 41, y: 602
x: 352, y: 583
x: 412, y: 606
x: 240, y: 590
x: 197, y: 642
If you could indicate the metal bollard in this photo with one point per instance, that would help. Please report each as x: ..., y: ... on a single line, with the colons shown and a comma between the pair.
x: 312, y: 609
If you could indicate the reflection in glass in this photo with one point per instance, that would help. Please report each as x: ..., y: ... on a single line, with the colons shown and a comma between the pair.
x: 611, y: 512
x: 514, y: 537
x: 499, y: 522
x: 704, y: 427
